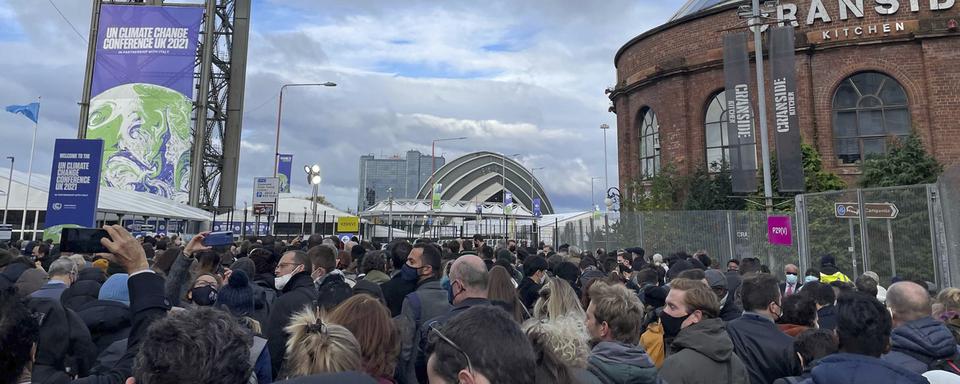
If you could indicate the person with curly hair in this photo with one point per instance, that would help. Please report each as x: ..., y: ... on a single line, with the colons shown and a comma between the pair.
x: 946, y: 308
x: 564, y: 340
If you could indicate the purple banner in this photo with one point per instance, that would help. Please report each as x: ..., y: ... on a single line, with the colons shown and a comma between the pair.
x: 778, y: 230
x: 141, y: 96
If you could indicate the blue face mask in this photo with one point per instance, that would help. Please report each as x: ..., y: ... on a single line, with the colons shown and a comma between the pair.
x: 791, y: 279
x: 810, y: 279
x: 448, y: 287
x: 409, y: 273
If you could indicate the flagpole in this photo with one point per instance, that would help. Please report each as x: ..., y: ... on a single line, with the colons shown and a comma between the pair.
x: 26, y: 201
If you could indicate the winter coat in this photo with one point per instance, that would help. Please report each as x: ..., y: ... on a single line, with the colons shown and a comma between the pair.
x: 53, y: 289
x: 792, y: 330
x: 108, y: 321
x: 263, y: 298
x: 178, y: 279
x: 296, y: 295
x: 827, y: 318
x: 916, y: 344
x: 395, y: 290
x: 830, y: 273
x: 767, y: 352
x: 333, y: 289
x: 377, y: 277
x: 439, y: 321
x: 614, y: 362
x: 427, y: 302
x: 529, y: 292
x: 703, y: 353
x: 652, y: 342
x: 65, y: 345
x: 730, y: 311
x: 80, y: 294
x: 846, y: 368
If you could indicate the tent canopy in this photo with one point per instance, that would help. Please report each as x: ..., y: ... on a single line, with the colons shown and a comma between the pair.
x: 112, y: 200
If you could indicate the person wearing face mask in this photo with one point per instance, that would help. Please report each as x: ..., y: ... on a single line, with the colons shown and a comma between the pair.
x: 534, y: 270
x: 791, y: 283
x: 429, y: 300
x: 702, y: 351
x: 332, y: 287
x: 204, y: 291
x: 765, y: 350
x: 296, y: 289
x: 729, y: 310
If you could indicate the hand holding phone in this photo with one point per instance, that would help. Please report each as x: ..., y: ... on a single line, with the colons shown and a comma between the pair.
x: 217, y: 239
x: 83, y: 240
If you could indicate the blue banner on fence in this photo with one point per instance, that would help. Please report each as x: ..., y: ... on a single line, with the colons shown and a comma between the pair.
x: 74, y: 186
x: 284, y: 166
x: 536, y: 207
x: 238, y: 227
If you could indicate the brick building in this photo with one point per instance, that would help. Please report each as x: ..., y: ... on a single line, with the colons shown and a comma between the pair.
x: 866, y: 70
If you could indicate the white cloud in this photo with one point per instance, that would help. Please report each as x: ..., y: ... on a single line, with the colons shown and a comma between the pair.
x: 515, y: 77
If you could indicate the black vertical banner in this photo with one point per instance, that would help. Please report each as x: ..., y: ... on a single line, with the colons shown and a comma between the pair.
x: 743, y: 142
x: 787, y: 127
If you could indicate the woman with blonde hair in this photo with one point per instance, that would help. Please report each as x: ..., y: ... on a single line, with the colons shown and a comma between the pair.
x: 562, y: 350
x: 946, y: 308
x: 557, y: 299
x: 318, y: 346
x: 378, y: 337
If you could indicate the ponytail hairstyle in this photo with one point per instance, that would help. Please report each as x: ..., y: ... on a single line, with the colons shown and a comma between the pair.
x: 316, y: 346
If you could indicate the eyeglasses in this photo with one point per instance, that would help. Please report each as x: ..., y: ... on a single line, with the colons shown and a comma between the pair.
x: 436, y: 331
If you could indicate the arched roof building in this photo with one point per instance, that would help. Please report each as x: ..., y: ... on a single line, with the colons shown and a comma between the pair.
x: 479, y: 177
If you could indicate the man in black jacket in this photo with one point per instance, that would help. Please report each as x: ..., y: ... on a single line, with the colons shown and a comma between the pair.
x: 729, y: 310
x: 765, y: 350
x: 296, y: 292
x: 534, y: 270
x: 398, y: 287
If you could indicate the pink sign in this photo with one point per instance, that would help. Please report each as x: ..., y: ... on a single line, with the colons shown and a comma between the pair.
x: 778, y: 230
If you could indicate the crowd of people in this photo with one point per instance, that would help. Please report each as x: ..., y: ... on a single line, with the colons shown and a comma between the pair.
x: 318, y: 310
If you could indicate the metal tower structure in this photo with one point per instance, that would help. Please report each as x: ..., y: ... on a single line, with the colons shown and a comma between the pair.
x: 220, y: 72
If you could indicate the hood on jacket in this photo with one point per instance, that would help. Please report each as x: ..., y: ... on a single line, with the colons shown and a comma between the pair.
x: 925, y: 339
x: 708, y: 337
x: 105, y: 316
x: 92, y: 273
x: 829, y: 269
x: 845, y: 368
x: 617, y: 353
x: 80, y: 293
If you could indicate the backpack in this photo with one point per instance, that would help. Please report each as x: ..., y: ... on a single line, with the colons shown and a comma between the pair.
x: 950, y: 364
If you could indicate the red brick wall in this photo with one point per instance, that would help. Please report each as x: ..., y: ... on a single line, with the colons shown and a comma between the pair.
x: 676, y: 71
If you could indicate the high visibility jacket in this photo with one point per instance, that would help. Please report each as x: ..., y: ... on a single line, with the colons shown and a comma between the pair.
x: 838, y: 276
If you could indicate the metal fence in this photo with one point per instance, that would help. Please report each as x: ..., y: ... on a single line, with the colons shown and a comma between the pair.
x: 722, y: 234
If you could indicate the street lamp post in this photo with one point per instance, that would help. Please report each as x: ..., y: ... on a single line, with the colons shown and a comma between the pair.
x: 313, y: 176
x: 276, y: 149
x: 6, y: 206
x: 533, y: 238
x: 593, y: 195
x: 606, y: 175
x: 389, y: 215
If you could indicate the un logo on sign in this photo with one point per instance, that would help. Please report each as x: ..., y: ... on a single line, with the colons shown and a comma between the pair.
x: 841, y: 210
x: 57, y: 206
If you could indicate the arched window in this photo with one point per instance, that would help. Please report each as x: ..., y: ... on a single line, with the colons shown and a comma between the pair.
x: 715, y: 132
x: 867, y: 108
x: 649, y: 143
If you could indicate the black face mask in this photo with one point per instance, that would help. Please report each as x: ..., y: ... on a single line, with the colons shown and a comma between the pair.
x: 671, y: 325
x: 204, y: 296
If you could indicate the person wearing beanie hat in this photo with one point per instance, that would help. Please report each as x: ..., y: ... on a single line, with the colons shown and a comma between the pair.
x: 829, y: 271
x: 115, y: 289
x: 237, y: 295
x: 109, y: 318
x: 103, y: 264
x: 262, y: 296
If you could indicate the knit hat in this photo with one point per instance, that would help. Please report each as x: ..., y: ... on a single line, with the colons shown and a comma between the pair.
x: 246, y: 265
x: 103, y: 264
x: 715, y: 279
x: 115, y: 289
x: 828, y: 260
x: 370, y: 288
x: 237, y: 295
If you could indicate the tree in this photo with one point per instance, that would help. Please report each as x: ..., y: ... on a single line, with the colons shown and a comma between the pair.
x: 905, y: 163
x: 706, y: 191
x: 664, y: 192
x: 816, y: 179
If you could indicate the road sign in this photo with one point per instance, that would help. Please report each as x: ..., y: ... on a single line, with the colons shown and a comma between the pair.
x: 348, y: 224
x: 873, y: 210
x: 263, y: 209
x: 266, y: 190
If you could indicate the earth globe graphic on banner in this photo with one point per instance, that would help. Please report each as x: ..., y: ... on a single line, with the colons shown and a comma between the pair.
x: 146, y: 135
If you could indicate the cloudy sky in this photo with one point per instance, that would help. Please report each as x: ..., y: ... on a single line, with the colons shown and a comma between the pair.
x: 514, y: 76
